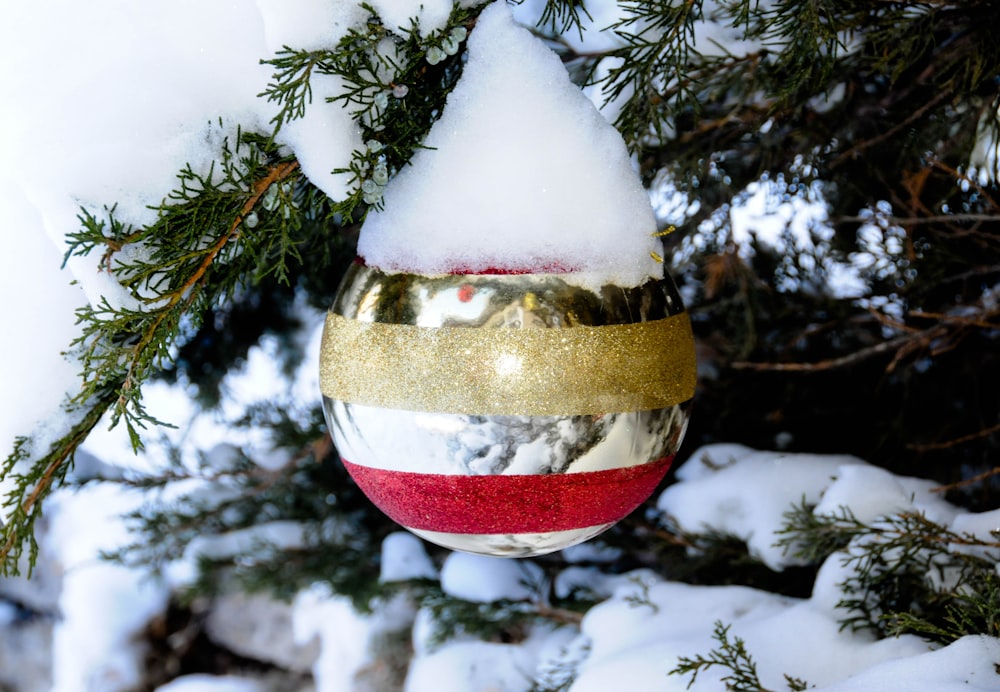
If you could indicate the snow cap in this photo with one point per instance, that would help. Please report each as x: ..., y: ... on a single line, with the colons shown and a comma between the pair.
x: 521, y: 173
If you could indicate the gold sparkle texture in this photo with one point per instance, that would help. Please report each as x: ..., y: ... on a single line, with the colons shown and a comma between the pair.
x: 505, y: 345
x: 509, y: 371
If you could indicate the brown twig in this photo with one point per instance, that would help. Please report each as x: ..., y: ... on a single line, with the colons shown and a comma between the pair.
x: 917, y: 114
x: 981, y: 321
x: 945, y: 334
x: 561, y: 615
x: 830, y: 363
x: 954, y: 442
x: 968, y: 481
x: 276, y: 172
x: 43, y: 484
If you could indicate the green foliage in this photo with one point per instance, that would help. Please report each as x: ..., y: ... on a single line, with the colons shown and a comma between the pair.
x: 257, y: 527
x: 869, y: 109
x: 705, y: 557
x: 907, y: 573
x: 815, y: 537
x: 560, y: 675
x: 251, y: 219
x: 674, y: 89
x: 973, y: 610
x: 215, y: 234
x: 653, y: 73
x: 562, y: 16
x: 503, y: 620
x: 395, y: 82
x: 732, y: 656
x: 36, y: 474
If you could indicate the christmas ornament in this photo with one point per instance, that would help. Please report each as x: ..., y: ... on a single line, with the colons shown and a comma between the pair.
x: 507, y: 414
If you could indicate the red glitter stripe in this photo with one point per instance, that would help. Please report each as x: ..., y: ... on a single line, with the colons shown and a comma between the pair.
x: 508, y: 504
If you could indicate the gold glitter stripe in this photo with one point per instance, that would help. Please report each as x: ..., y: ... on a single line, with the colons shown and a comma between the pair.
x: 509, y: 371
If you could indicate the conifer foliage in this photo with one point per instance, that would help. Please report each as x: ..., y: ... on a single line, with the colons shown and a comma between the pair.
x: 884, y: 113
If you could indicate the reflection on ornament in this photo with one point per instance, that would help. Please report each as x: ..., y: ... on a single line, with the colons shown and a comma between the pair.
x: 505, y: 414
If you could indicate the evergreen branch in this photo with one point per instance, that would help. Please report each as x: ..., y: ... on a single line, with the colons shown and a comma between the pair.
x: 124, y: 345
x: 25, y: 500
x: 974, y: 610
x: 393, y: 82
x: 185, y: 293
x: 659, y: 45
x: 503, y: 620
x: 120, y: 347
x: 290, y: 85
x: 220, y: 521
x: 809, y: 33
x: 562, y: 15
x: 859, y: 148
x: 731, y: 655
x: 909, y: 574
x: 916, y: 567
x: 395, y: 94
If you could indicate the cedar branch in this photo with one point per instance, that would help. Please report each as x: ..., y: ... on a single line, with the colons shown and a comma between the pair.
x: 275, y: 173
x: 77, y: 436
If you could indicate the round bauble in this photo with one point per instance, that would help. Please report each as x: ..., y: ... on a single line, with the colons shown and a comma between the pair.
x: 507, y: 414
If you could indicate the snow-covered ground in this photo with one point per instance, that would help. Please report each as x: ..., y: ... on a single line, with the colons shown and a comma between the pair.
x: 104, y: 102
x: 633, y: 637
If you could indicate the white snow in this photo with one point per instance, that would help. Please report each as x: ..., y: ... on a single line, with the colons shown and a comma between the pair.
x: 521, y: 174
x: 103, y: 607
x: 342, y: 634
x: 404, y: 557
x: 728, y: 472
x: 968, y: 664
x: 430, y: 15
x: 98, y: 120
x: 211, y: 683
x: 106, y: 100
x: 791, y: 218
x: 483, y: 579
x: 984, y: 160
x: 474, y: 665
x: 324, y: 135
x: 981, y: 525
x: 870, y: 492
x: 38, y: 324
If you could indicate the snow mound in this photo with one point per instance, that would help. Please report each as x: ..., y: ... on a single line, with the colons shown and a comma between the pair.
x: 521, y: 173
x: 752, y: 491
x: 483, y: 579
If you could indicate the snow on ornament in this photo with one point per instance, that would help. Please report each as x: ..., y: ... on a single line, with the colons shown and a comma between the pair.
x: 506, y: 370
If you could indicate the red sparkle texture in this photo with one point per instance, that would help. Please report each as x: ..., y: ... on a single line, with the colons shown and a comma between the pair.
x: 500, y: 504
